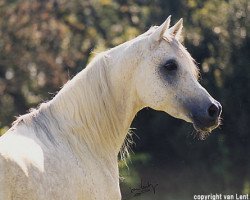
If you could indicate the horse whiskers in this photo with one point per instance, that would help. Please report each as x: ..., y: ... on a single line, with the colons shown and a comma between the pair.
x: 203, y: 135
x: 220, y: 121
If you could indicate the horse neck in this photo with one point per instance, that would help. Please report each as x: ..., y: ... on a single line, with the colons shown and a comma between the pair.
x: 96, y: 108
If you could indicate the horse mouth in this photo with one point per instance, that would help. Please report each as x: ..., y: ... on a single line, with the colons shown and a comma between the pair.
x: 203, y: 130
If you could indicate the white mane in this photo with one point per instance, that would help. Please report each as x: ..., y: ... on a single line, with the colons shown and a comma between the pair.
x: 84, y: 108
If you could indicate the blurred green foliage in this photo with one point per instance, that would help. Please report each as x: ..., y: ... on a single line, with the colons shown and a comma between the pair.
x: 44, y: 43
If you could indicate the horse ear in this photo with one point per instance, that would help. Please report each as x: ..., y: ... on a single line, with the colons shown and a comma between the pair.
x: 160, y: 30
x: 176, y: 29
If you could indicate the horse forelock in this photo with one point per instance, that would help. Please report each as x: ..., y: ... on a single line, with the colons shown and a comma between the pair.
x: 178, y: 46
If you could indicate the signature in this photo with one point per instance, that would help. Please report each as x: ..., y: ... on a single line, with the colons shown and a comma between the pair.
x: 143, y: 188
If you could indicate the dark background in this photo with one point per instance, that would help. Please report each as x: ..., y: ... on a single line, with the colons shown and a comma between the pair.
x: 45, y: 43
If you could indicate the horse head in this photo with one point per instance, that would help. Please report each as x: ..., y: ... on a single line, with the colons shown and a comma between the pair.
x: 167, y: 79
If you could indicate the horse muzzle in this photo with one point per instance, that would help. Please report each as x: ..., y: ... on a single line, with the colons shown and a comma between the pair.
x: 208, y: 119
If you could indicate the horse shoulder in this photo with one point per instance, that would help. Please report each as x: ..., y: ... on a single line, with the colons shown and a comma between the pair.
x: 18, y: 154
x: 32, y: 168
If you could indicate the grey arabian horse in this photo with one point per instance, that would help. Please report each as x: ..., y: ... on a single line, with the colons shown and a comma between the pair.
x: 67, y: 148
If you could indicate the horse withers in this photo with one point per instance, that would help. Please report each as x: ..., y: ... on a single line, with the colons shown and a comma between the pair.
x: 67, y: 148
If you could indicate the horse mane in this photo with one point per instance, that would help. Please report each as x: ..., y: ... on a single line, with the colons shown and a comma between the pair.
x: 85, y: 108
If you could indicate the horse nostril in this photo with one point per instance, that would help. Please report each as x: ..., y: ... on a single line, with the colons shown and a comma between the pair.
x: 214, y: 111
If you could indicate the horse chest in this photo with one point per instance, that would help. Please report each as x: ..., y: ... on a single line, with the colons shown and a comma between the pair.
x: 87, y: 178
x: 99, y: 186
x: 98, y: 181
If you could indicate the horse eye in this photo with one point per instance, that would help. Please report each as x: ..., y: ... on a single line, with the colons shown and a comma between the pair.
x: 170, y: 65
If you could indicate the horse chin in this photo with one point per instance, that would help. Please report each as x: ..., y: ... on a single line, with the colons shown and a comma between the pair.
x: 203, y: 132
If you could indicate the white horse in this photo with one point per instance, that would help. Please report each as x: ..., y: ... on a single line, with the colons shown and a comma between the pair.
x: 67, y: 149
